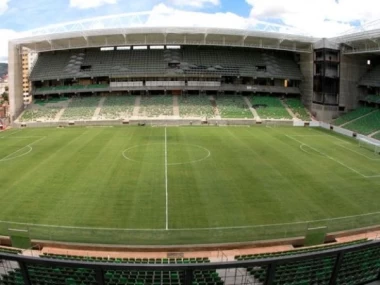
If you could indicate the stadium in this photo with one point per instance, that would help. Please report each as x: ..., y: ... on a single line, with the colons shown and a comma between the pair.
x: 188, y: 155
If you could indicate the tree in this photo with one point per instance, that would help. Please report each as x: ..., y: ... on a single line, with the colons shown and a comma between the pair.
x: 5, y: 96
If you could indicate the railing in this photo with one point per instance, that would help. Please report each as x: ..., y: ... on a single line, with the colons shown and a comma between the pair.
x: 222, y: 87
x: 270, y: 265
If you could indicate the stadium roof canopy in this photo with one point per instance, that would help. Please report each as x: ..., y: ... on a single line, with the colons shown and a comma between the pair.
x: 361, y: 40
x: 131, y: 29
x: 136, y: 29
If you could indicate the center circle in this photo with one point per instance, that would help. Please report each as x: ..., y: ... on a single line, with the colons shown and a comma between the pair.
x: 173, y: 154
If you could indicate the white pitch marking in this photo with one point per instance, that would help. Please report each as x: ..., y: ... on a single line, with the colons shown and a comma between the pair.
x: 27, y: 146
x: 370, y: 158
x: 11, y: 134
x: 166, y: 181
x: 329, y: 157
x: 188, y: 229
x: 173, y: 163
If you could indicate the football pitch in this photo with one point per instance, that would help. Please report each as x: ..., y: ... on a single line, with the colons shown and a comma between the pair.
x: 184, y: 185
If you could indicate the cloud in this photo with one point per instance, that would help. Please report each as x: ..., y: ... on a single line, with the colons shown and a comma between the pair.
x: 86, y: 4
x: 3, y: 6
x: 164, y: 16
x: 194, y: 3
x: 322, y: 18
x: 6, y: 35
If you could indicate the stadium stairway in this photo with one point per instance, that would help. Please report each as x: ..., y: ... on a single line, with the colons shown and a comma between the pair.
x: 253, y: 110
x: 99, y: 108
x: 374, y: 134
x: 289, y: 110
x: 136, y: 109
x: 215, y: 106
x: 60, y: 113
x: 175, y: 106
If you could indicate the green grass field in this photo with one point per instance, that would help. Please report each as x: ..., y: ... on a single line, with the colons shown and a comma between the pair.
x: 179, y: 185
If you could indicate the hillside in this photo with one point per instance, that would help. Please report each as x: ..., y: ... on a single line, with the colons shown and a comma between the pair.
x: 3, y: 69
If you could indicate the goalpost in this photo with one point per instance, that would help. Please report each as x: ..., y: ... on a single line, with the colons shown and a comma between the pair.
x: 370, y: 145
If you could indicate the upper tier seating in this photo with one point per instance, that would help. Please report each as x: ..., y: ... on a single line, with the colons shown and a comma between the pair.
x: 352, y: 115
x: 156, y: 105
x: 273, y: 110
x: 372, y: 99
x: 233, y: 107
x: 117, y: 107
x: 59, y: 88
x: 188, y: 60
x: 81, y: 108
x: 363, y: 263
x: 195, y: 106
x: 371, y: 78
x: 298, y: 109
x: 366, y: 125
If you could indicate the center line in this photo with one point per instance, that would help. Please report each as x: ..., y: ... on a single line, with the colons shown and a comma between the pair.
x: 166, y: 181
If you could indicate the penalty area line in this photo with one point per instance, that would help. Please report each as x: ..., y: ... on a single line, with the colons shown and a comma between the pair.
x: 8, y: 157
x: 329, y: 157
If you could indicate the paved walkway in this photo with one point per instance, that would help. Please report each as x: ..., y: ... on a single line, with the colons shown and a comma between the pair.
x: 289, y: 110
x: 253, y: 110
x: 175, y: 106
x: 136, y: 109
x: 215, y: 107
x: 60, y: 113
x: 374, y: 133
x: 99, y: 108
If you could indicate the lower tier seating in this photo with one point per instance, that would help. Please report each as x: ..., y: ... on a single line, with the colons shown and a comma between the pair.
x: 47, y: 275
x: 43, y: 110
x: 366, y: 125
x: 81, y: 108
x: 156, y: 105
x: 9, y: 250
x: 233, y: 107
x: 195, y: 106
x: 357, y: 267
x: 117, y: 107
x: 269, y: 107
x: 377, y: 136
x: 298, y: 109
x: 352, y: 115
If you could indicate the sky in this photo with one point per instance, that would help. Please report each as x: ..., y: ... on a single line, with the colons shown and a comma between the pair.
x: 319, y: 18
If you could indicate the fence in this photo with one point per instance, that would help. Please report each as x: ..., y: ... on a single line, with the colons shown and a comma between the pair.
x: 334, y: 266
x: 190, y: 235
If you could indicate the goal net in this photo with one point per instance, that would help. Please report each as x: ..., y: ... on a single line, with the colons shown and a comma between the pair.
x: 370, y: 145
